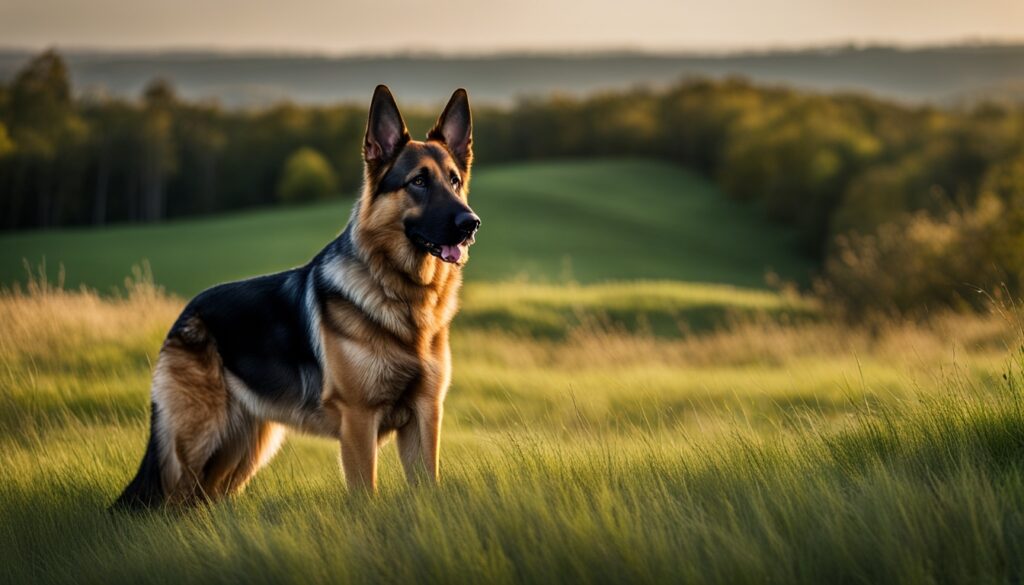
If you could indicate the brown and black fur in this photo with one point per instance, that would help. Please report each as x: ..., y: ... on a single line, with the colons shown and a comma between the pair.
x: 352, y: 346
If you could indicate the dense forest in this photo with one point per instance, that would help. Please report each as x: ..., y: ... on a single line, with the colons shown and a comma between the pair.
x: 902, y: 204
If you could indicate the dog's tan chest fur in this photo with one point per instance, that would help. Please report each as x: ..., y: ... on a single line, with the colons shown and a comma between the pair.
x: 390, y: 358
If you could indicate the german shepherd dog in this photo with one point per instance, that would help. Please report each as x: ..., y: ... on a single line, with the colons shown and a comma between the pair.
x: 352, y: 346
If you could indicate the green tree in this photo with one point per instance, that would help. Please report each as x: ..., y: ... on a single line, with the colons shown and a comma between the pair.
x: 6, y: 144
x: 45, y: 125
x: 307, y: 176
x: 158, y: 148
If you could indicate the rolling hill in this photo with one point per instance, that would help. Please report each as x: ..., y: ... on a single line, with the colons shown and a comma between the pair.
x: 578, y: 221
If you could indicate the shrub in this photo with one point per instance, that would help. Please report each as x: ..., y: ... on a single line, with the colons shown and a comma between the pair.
x: 307, y: 176
x: 921, y: 262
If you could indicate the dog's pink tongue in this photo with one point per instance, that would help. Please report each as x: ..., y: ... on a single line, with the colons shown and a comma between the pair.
x: 451, y: 253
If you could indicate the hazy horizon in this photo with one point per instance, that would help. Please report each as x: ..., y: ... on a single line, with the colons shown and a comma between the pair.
x: 412, y: 51
x: 463, y: 26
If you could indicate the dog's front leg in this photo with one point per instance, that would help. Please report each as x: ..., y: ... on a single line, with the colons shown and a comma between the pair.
x: 419, y: 442
x: 359, y: 428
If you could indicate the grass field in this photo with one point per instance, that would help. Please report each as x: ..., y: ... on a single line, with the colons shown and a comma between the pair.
x: 586, y: 221
x: 600, y: 428
x: 763, y: 451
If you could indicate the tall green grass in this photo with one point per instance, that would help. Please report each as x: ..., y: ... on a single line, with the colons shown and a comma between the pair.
x: 764, y: 449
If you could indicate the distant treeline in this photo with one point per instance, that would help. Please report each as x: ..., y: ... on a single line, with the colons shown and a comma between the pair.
x: 902, y: 204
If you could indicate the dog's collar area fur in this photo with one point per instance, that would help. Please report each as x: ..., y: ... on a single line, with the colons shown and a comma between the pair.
x: 371, y: 282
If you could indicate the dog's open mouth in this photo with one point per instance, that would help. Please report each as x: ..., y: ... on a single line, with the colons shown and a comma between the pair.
x: 451, y: 253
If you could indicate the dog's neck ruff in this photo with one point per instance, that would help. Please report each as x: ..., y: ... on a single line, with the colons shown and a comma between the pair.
x: 402, y: 270
x: 387, y: 294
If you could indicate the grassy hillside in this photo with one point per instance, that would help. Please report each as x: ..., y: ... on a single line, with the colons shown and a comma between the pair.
x: 587, y: 221
x: 762, y: 452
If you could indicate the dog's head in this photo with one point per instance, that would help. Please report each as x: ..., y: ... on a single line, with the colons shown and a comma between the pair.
x: 415, y: 204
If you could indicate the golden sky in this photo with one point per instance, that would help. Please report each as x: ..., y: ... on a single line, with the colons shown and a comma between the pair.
x: 482, y: 25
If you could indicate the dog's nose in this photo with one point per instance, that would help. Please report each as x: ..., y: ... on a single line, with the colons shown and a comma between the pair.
x: 467, y: 222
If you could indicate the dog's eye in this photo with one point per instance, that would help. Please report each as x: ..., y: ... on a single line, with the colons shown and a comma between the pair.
x: 419, y: 182
x: 456, y: 181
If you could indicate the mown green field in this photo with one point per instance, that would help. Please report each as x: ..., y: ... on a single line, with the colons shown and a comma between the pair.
x: 598, y: 429
x: 585, y: 221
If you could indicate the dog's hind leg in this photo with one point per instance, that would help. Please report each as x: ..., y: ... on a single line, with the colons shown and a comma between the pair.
x: 250, y: 445
x: 192, y: 399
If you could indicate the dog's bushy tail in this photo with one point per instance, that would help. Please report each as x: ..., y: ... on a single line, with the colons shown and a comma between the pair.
x: 146, y: 490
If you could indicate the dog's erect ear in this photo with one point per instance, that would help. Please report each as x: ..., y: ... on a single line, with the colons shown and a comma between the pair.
x: 385, y: 130
x: 455, y: 128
